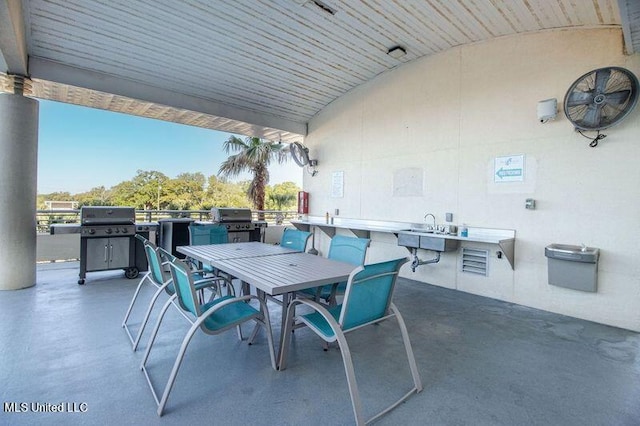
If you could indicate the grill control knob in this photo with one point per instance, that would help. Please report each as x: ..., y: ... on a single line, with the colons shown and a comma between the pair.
x: 125, y: 230
x: 92, y: 231
x: 117, y: 230
x: 108, y: 231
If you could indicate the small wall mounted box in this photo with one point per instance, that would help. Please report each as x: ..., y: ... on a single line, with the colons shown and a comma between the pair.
x: 547, y: 110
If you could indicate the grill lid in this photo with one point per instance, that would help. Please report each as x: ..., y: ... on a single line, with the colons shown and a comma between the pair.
x: 230, y: 214
x: 107, y: 215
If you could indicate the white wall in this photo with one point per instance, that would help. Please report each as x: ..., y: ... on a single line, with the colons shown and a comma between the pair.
x: 450, y: 115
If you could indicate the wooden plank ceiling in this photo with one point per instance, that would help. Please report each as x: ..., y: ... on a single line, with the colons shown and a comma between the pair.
x: 280, y: 61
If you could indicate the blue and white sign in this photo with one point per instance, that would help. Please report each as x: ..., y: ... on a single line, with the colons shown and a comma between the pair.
x: 509, y: 169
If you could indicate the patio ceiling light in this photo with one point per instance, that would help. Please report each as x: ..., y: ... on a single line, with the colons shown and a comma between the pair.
x: 397, y: 52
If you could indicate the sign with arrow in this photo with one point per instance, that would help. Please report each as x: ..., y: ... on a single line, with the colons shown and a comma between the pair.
x: 509, y: 169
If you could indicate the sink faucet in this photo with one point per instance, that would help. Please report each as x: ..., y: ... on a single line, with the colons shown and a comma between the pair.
x: 434, y: 219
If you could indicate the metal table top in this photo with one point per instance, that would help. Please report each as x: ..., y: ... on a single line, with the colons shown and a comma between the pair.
x: 285, y: 273
x: 207, y: 253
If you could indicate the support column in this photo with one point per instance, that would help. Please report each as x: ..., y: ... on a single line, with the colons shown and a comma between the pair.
x: 18, y: 190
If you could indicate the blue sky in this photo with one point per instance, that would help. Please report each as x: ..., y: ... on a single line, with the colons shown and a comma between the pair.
x: 81, y: 148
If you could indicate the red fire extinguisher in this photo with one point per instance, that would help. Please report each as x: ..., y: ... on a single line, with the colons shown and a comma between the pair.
x: 303, y: 202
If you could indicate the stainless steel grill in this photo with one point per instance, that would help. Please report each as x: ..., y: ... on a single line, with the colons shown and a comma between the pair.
x: 239, y: 224
x: 106, y: 240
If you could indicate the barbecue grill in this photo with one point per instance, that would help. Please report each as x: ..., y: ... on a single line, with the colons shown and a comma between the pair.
x: 239, y: 225
x: 107, y: 240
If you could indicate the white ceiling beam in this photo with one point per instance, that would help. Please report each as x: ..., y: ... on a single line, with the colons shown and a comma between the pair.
x: 13, y: 43
x: 52, y: 71
x: 626, y: 26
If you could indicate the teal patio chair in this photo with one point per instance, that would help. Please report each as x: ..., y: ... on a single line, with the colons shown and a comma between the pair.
x: 295, y: 239
x: 157, y: 277
x: 367, y: 301
x: 345, y: 249
x: 214, y: 317
x: 207, y: 233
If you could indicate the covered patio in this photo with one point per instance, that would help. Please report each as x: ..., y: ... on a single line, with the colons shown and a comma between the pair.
x: 409, y: 109
x: 482, y: 361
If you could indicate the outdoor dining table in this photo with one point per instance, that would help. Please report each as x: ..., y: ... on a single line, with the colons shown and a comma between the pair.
x: 272, y: 270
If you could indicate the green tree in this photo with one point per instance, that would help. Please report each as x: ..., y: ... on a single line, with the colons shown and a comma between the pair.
x: 221, y: 193
x: 281, y: 200
x: 282, y: 196
x: 185, y: 192
x: 254, y: 156
x: 99, y: 196
x: 142, y: 192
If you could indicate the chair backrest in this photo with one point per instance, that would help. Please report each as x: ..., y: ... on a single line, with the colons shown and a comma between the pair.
x: 348, y: 249
x: 155, y: 262
x: 209, y: 233
x: 294, y: 239
x: 368, y: 294
x: 142, y: 239
x: 185, y: 289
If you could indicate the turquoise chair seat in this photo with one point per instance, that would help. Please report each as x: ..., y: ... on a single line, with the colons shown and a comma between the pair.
x: 229, y: 314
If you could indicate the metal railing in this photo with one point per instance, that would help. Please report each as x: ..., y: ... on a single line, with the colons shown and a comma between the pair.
x: 46, y: 218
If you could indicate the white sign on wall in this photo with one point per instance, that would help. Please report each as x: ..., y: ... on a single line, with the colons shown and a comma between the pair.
x: 509, y: 169
x: 408, y: 182
x: 337, y: 185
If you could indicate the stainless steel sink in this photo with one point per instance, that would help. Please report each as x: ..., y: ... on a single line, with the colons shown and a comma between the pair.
x: 418, y: 239
x: 422, y: 230
x: 438, y: 244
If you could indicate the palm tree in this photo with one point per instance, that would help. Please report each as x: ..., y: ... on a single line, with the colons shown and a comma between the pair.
x: 282, y: 200
x: 253, y: 156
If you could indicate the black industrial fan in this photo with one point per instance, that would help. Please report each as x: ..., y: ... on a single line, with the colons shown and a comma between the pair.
x: 600, y: 99
x: 300, y: 154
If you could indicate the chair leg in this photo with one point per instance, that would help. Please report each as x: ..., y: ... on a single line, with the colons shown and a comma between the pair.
x: 147, y: 314
x: 239, y: 331
x: 407, y: 345
x: 133, y: 301
x: 356, y: 403
x: 176, y: 367
x: 254, y: 333
x: 154, y: 333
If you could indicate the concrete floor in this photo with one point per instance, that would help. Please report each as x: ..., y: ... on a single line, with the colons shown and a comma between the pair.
x: 483, y: 362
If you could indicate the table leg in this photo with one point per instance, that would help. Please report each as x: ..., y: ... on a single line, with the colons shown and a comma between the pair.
x: 262, y: 296
x: 245, y: 290
x: 286, y: 301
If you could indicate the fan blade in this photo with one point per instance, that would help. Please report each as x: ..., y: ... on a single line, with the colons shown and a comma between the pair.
x: 591, y: 118
x: 618, y: 97
x: 602, y: 78
x: 579, y: 98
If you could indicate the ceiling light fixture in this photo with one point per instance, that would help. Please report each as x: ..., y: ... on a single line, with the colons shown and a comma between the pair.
x: 397, y: 52
x: 324, y: 7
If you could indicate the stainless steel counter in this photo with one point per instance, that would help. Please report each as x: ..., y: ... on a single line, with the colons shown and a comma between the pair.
x: 362, y: 228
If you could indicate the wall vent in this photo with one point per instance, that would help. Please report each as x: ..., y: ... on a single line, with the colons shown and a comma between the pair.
x: 475, y: 261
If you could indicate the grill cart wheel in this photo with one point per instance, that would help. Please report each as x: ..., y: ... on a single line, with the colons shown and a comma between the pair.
x: 131, y: 273
x: 81, y: 282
